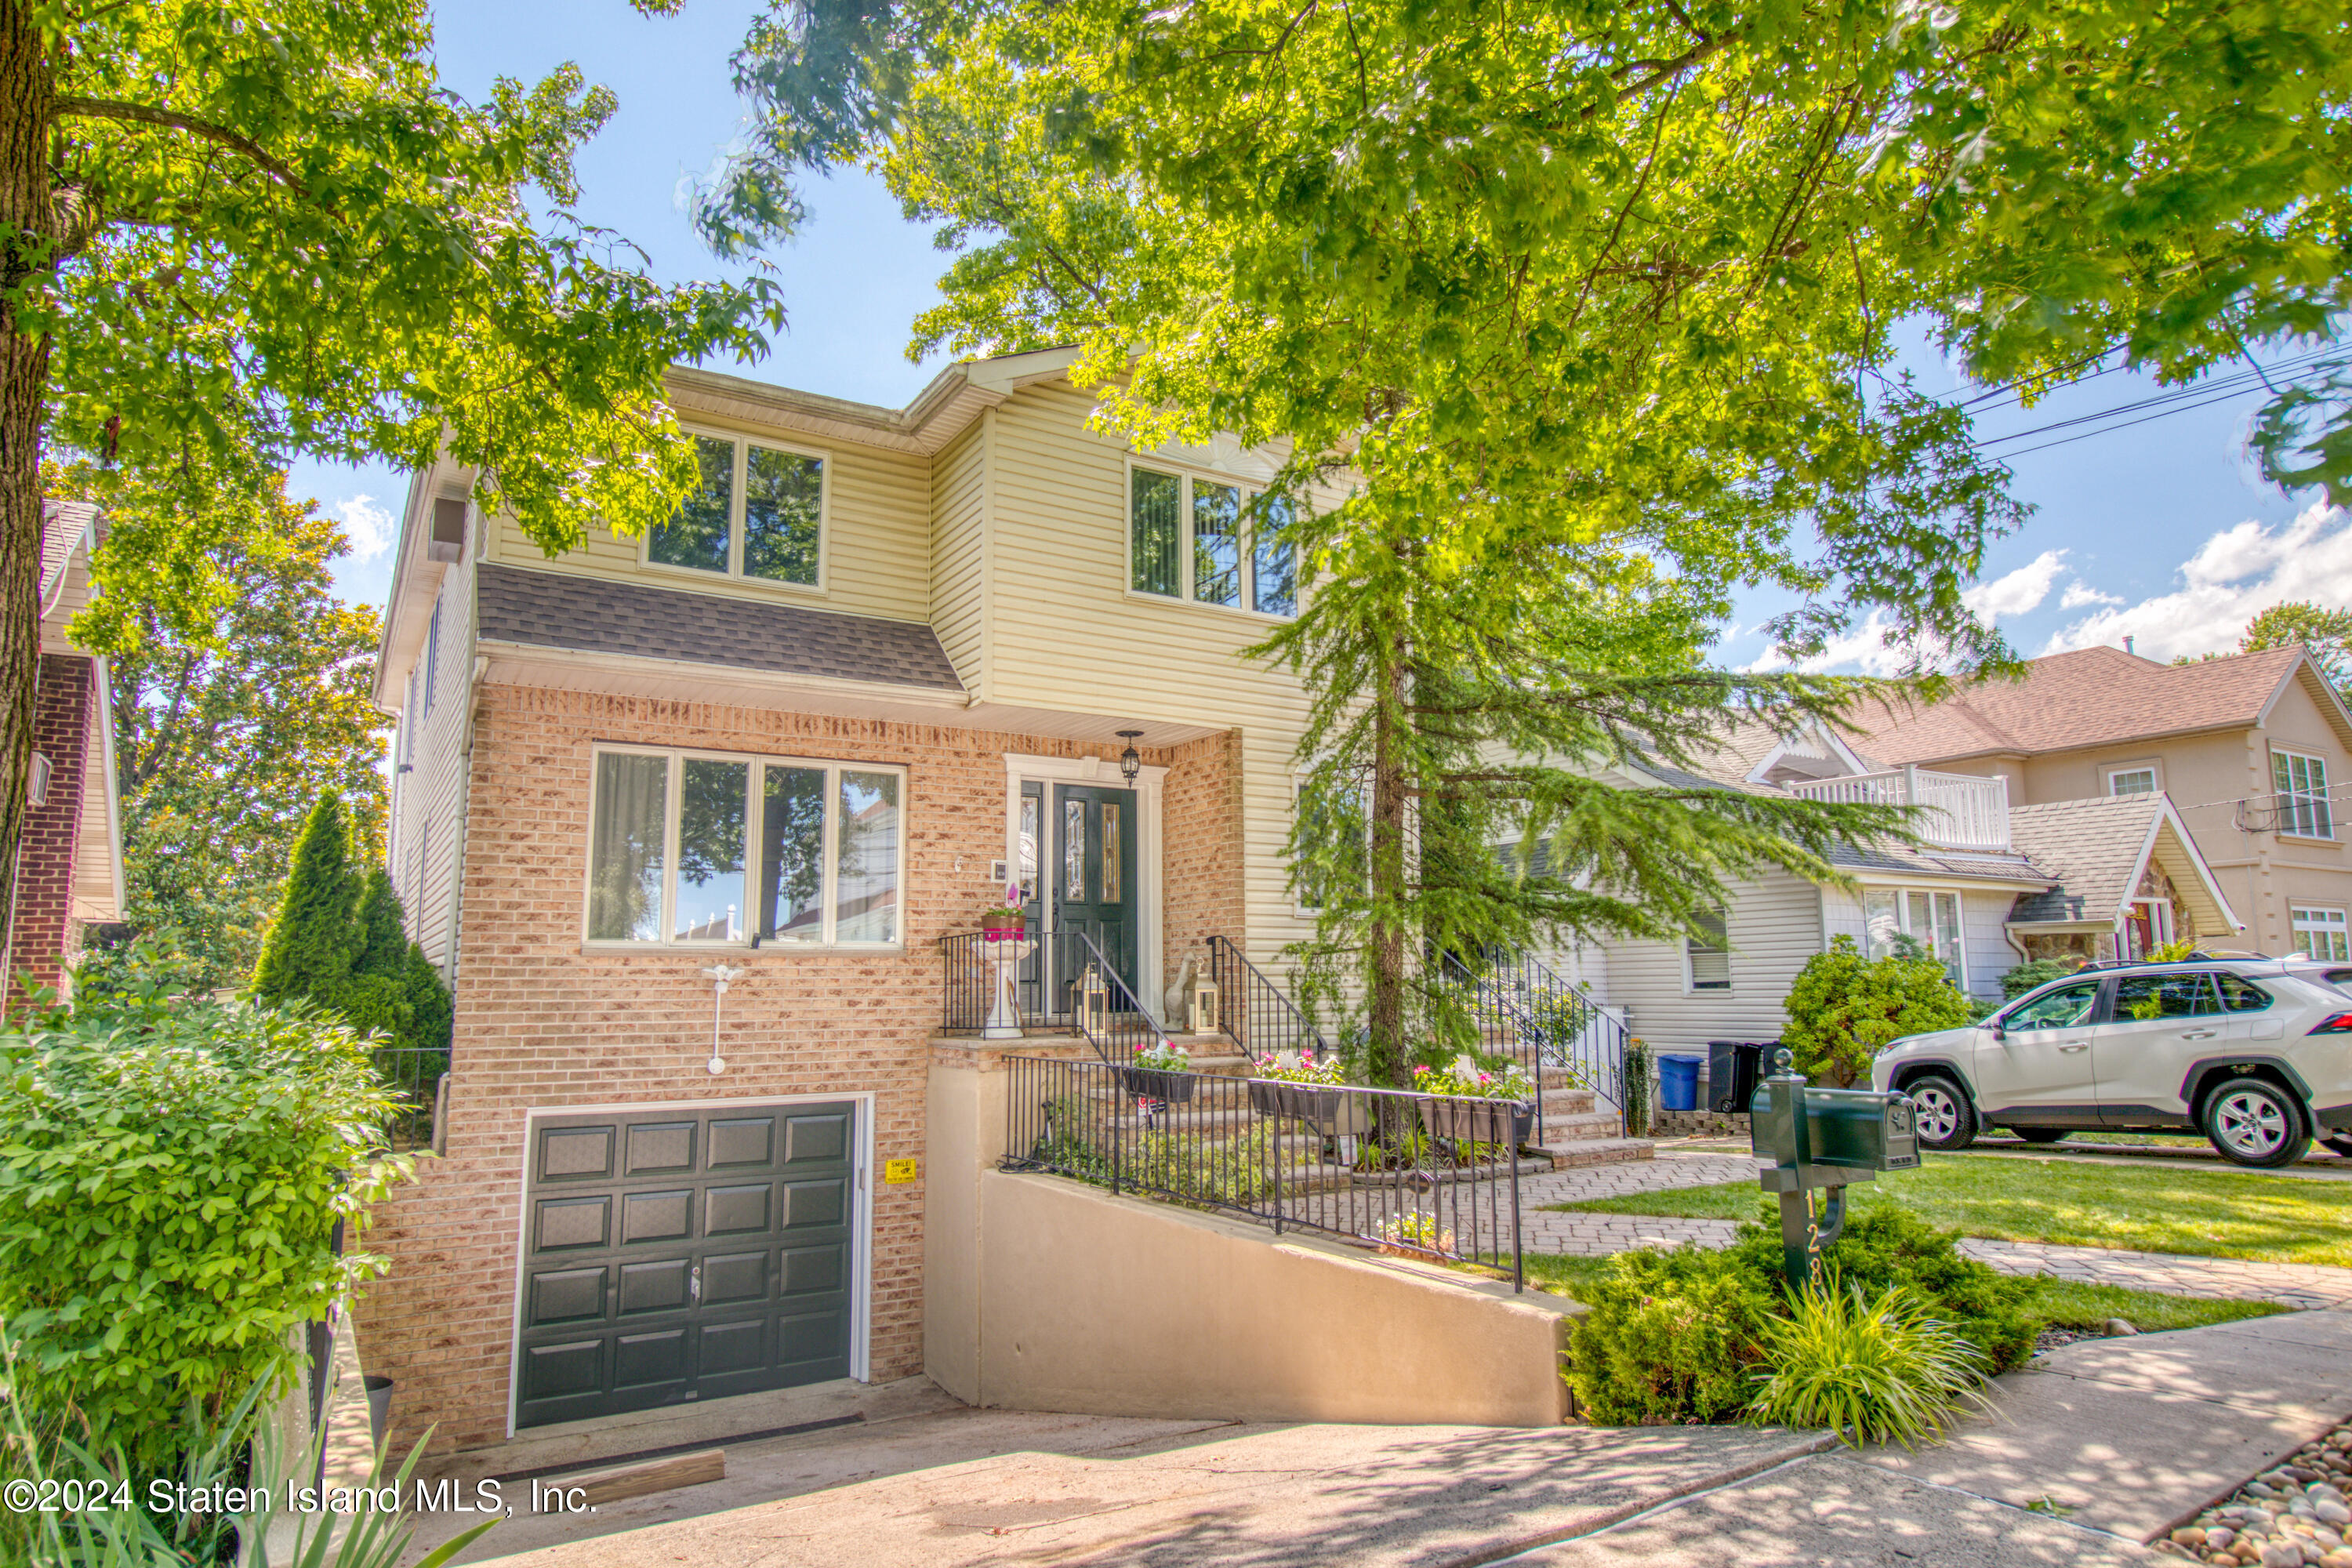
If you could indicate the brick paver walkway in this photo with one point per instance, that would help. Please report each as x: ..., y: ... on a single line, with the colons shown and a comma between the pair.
x: 1597, y: 1234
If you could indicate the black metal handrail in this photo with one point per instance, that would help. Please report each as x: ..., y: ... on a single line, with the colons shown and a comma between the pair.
x: 1424, y: 1174
x: 1525, y: 1011
x: 1254, y: 1012
x: 416, y: 1072
x: 1056, y: 980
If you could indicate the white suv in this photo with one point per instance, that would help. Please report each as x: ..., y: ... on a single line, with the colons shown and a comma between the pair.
x: 2256, y: 1053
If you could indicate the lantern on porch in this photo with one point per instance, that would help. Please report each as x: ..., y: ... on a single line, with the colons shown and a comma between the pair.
x: 1094, y: 1003
x: 1202, y: 1009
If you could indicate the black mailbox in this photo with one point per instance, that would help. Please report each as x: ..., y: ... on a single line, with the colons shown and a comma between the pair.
x: 1806, y: 1137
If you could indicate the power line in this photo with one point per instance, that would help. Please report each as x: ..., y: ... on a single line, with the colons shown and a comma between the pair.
x: 2174, y: 400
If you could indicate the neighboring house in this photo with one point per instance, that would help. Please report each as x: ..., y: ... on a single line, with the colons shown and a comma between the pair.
x: 1993, y: 885
x: 886, y: 658
x: 2254, y: 750
x: 69, y: 860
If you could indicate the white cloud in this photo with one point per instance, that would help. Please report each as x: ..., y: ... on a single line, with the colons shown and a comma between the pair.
x: 2237, y: 572
x: 1865, y: 649
x: 2079, y: 593
x: 2019, y: 591
x: 369, y: 527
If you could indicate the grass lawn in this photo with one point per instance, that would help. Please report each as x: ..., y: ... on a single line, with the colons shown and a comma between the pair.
x: 2203, y: 1213
x: 2058, y: 1303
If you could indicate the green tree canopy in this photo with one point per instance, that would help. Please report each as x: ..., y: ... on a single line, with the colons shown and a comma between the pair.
x: 2327, y: 633
x: 239, y: 689
x: 235, y: 230
x: 316, y: 936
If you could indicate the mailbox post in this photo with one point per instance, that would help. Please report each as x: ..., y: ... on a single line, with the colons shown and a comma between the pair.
x: 1808, y: 1139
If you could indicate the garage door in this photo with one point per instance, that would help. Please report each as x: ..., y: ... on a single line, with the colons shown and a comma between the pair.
x: 672, y: 1255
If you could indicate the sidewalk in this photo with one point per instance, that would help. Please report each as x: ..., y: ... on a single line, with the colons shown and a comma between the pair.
x: 2094, y: 1449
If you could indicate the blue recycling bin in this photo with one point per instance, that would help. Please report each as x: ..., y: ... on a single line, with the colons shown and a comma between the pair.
x: 1678, y: 1082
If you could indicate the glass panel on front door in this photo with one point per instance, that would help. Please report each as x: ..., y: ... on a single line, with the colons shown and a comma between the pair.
x: 1097, y: 903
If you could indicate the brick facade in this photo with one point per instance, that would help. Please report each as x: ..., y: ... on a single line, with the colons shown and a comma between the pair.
x: 45, y: 936
x: 1201, y: 849
x: 541, y: 1021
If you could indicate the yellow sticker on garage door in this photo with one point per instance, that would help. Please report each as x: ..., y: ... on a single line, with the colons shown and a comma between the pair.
x: 896, y: 1171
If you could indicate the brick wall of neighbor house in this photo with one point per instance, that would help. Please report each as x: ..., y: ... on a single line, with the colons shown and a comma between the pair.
x: 46, y: 936
x: 539, y: 1022
x: 1200, y: 851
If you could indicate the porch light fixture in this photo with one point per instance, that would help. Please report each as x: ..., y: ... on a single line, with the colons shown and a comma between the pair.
x: 1130, y: 764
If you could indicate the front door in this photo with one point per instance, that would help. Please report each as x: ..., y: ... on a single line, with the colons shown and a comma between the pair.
x: 1090, y: 880
x: 673, y: 1256
x: 2039, y: 1071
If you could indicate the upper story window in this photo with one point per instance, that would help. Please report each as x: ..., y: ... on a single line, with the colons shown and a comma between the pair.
x: 1211, y: 541
x: 694, y: 848
x: 2302, y: 794
x: 2132, y: 780
x: 1707, y: 950
x: 760, y: 513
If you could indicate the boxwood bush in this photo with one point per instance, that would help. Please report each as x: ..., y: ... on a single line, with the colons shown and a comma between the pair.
x: 1682, y: 1336
x: 171, y: 1176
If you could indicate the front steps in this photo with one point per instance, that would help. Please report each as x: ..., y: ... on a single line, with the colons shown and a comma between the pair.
x: 1575, y: 1134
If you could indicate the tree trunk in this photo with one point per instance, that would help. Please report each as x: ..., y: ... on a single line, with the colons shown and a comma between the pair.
x: 1386, y: 1023
x: 28, y: 214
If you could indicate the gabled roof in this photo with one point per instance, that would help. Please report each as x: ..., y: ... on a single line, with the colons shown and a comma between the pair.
x: 2099, y: 849
x: 2094, y: 697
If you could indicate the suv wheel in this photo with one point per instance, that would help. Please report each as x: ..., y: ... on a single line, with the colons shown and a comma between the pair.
x: 1941, y: 1113
x: 2256, y: 1123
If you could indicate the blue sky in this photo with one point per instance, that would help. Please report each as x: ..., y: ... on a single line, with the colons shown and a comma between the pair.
x: 2160, y: 530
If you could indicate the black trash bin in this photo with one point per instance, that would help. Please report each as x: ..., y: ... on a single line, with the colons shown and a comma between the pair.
x: 1734, y: 1068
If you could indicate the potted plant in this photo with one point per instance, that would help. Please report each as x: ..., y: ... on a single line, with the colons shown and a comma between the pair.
x: 1006, y: 924
x: 1161, y: 1072
x: 1506, y: 1120
x: 1312, y: 1090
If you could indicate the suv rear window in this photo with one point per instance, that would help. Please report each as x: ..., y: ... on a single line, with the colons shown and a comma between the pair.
x: 2243, y: 995
x: 2143, y: 998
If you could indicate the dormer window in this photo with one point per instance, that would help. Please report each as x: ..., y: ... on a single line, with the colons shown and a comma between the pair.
x: 758, y: 515
x: 1211, y: 541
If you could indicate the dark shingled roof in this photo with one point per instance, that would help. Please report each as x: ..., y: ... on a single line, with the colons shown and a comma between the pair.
x: 2093, y: 846
x: 554, y: 609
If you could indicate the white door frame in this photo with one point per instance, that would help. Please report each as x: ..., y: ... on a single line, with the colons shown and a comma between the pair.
x: 861, y: 1223
x: 1149, y: 788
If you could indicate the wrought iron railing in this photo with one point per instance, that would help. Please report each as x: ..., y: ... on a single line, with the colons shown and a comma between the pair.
x: 416, y: 1073
x: 1420, y: 1175
x: 1047, y: 980
x: 1254, y: 1012
x: 1523, y: 1010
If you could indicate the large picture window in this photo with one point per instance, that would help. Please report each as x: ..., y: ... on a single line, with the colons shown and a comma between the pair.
x: 758, y: 513
x: 1211, y: 541
x: 2302, y: 796
x: 1929, y: 917
x: 691, y: 848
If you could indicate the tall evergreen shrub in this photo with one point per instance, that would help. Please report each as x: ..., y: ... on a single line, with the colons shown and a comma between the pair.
x: 316, y: 938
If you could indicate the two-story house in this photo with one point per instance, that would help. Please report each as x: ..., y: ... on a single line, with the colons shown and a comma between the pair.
x: 1992, y: 885
x: 2251, y: 749
x: 885, y: 660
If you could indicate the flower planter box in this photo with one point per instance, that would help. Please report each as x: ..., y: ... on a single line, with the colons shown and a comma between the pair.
x: 1158, y: 1083
x: 1502, y: 1122
x: 1335, y: 1112
x: 1003, y: 934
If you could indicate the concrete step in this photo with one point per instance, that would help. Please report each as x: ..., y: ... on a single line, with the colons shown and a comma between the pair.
x: 1580, y: 1128
x: 1599, y: 1152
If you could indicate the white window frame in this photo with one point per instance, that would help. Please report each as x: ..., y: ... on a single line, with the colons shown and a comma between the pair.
x: 1958, y: 958
x: 1691, y: 986
x: 2310, y: 921
x: 828, y: 887
x: 2154, y: 783
x: 2315, y: 800
x: 737, y: 497
x: 1250, y: 492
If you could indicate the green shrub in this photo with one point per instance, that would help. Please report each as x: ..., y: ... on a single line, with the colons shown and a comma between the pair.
x: 1635, y: 1077
x: 2040, y: 971
x: 1879, y: 1368
x: 1885, y: 1246
x: 316, y: 937
x: 1670, y: 1337
x: 170, y: 1180
x: 1844, y: 1008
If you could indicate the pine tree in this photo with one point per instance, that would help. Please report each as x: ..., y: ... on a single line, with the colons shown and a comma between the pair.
x: 383, y: 943
x: 430, y: 1010
x: 316, y: 937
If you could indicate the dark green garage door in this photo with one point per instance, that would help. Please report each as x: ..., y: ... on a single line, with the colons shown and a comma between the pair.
x: 677, y: 1256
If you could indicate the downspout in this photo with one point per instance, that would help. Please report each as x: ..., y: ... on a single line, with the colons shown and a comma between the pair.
x: 464, y: 800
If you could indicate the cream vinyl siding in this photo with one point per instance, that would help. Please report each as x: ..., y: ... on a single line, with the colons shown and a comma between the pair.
x: 1775, y: 926
x: 423, y: 845
x: 1063, y: 631
x: 876, y: 550
x: 959, y: 553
